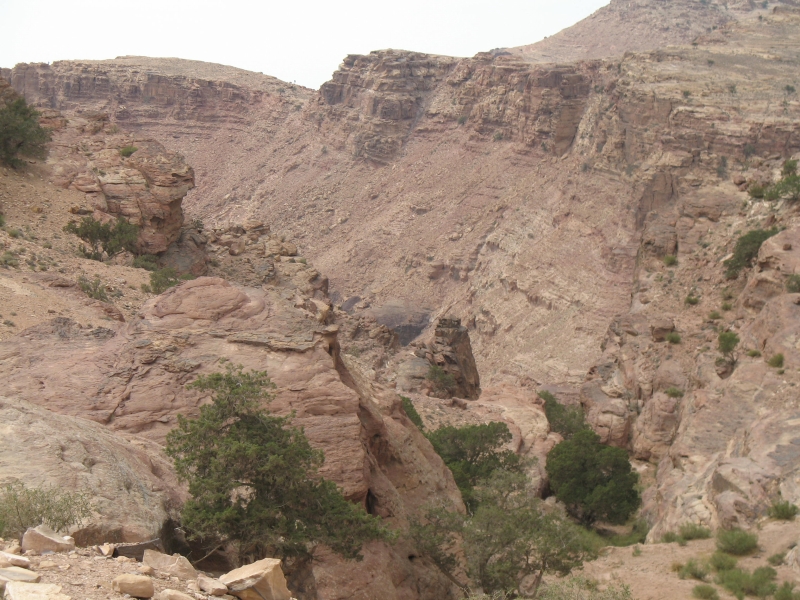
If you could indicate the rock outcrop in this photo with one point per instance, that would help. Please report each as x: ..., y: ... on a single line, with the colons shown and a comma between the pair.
x: 132, y: 380
x: 131, y: 482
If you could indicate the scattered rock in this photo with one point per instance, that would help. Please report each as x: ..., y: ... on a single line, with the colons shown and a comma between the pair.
x: 261, y: 580
x: 211, y: 586
x: 174, y: 566
x: 43, y: 539
x: 18, y: 590
x: 9, y: 574
x: 138, y: 586
x: 173, y: 595
x: 15, y: 560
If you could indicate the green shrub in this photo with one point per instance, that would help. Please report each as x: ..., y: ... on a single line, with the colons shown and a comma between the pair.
x: 104, y: 237
x: 94, y: 289
x: 786, y: 592
x: 720, y: 561
x: 593, y: 481
x: 705, y: 592
x: 411, y: 412
x: 148, y: 262
x: 8, y: 259
x: 670, y: 537
x: 442, y: 381
x: 691, y: 531
x: 674, y: 392
x: 789, y: 168
x: 127, y: 151
x: 22, y: 507
x: 736, y: 541
x: 749, y: 150
x: 714, y: 315
x: 2, y: 220
x: 462, y: 119
x: 693, y: 570
x: 793, y: 284
x: 20, y: 133
x: 776, y: 361
x: 783, y: 511
x: 253, y: 478
x: 638, y: 535
x: 14, y: 233
x: 746, y: 249
x: 473, y: 453
x: 577, y: 588
x: 670, y: 260
x: 564, y: 420
x: 691, y: 300
x: 163, y: 279
x: 776, y: 560
x: 673, y: 337
x: 726, y: 306
x: 757, y: 191
x: 753, y: 353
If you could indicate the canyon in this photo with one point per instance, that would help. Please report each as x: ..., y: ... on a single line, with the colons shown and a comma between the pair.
x: 523, y: 200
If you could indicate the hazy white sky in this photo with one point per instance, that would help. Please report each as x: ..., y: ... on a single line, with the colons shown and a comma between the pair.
x: 302, y: 41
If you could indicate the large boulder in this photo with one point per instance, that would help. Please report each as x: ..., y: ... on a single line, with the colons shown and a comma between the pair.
x: 171, y: 566
x: 131, y: 482
x: 261, y: 580
x: 43, y: 539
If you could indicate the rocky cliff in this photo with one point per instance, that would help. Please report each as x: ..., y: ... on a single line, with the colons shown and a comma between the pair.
x: 534, y: 201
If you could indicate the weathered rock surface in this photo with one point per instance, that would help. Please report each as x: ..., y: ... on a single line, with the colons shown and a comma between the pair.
x: 261, y: 580
x: 138, y: 586
x: 173, y: 595
x: 9, y: 574
x: 131, y: 481
x: 34, y: 591
x: 212, y: 587
x: 193, y: 328
x: 171, y: 566
x: 43, y: 539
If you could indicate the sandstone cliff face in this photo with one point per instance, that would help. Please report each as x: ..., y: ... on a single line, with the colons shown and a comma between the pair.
x: 534, y: 201
x: 131, y: 379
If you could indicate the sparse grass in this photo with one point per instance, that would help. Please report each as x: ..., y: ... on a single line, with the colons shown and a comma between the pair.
x: 705, y: 592
x: 759, y: 583
x: 691, y: 300
x: 691, y: 531
x: 670, y: 260
x: 776, y: 560
x: 95, y: 289
x: 462, y: 119
x: 127, y: 151
x: 674, y: 392
x: 693, y: 569
x: 714, y: 315
x: 786, y: 592
x: 14, y: 233
x: 22, y: 507
x: 793, y: 284
x: 753, y: 353
x: 736, y: 541
x: 671, y: 537
x: 776, y: 361
x: 8, y: 259
x: 783, y: 511
x: 726, y: 306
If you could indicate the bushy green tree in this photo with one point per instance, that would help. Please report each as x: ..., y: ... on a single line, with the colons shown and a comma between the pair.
x: 594, y: 481
x: 473, y: 453
x: 510, y: 537
x: 565, y: 420
x: 104, y: 237
x: 253, y: 478
x: 727, y: 342
x: 20, y: 133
